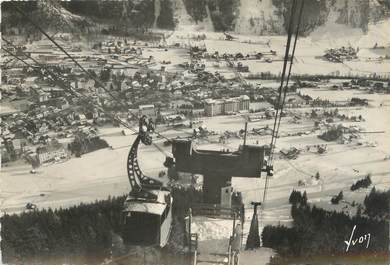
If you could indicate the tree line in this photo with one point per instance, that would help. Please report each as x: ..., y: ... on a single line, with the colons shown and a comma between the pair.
x: 332, y: 134
x: 296, y: 197
x: 319, y: 77
x: 82, y: 230
x: 318, y: 232
x: 362, y: 183
x: 377, y: 204
x: 84, y: 144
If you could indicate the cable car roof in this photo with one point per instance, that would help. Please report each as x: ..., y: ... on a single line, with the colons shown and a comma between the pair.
x: 145, y: 207
x: 133, y: 204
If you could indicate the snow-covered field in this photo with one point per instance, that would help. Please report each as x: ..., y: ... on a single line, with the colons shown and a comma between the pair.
x: 308, y: 51
x: 102, y: 173
x: 93, y: 176
x: 339, y: 168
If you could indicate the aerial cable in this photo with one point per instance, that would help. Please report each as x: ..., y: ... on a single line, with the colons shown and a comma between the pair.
x: 280, y: 101
x: 289, y: 71
x: 52, y: 77
x: 63, y: 85
x: 44, y: 67
x: 12, y: 54
x: 69, y: 56
x: 286, y: 56
x: 72, y: 89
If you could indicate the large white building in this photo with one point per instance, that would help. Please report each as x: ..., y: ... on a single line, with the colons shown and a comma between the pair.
x: 147, y: 110
x: 51, y: 153
x: 226, y: 106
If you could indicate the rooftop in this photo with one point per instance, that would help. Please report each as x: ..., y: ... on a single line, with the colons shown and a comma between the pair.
x: 150, y: 106
x: 152, y: 207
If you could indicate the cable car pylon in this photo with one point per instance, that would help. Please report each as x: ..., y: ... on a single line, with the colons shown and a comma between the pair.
x: 253, y: 240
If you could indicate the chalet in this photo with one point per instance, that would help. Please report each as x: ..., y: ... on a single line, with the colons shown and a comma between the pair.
x: 378, y: 85
x: 291, y: 153
x: 42, y: 96
x: 56, y: 92
x: 124, y: 85
x: 136, y: 85
x: 30, y: 81
x: 359, y: 102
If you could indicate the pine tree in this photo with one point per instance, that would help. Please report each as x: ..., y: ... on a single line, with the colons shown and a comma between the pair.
x: 304, y: 198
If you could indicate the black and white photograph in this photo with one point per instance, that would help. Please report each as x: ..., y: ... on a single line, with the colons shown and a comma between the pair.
x: 195, y: 132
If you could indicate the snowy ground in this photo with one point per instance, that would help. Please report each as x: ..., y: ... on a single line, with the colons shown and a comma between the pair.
x: 214, y: 237
x: 309, y: 49
x: 339, y: 168
x: 103, y: 173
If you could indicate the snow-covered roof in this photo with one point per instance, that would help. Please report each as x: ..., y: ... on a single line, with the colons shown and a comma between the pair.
x: 209, y: 100
x: 158, y: 206
x: 146, y: 207
x: 142, y: 107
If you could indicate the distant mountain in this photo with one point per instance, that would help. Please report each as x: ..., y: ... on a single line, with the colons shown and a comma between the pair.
x: 48, y: 14
x: 269, y: 17
x: 260, y: 17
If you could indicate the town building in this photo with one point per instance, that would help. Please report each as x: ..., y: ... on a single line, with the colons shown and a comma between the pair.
x: 51, y: 152
x: 226, y: 106
x: 148, y: 111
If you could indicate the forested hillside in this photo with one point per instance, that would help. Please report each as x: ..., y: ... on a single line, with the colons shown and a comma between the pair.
x: 264, y: 17
x: 320, y: 233
x: 86, y: 230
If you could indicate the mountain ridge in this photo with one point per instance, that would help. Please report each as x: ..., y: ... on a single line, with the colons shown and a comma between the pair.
x: 258, y: 17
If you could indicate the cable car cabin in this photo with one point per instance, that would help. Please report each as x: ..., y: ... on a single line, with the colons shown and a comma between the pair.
x: 148, y: 222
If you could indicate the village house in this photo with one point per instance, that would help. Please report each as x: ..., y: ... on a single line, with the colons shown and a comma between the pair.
x: 56, y: 92
x: 42, y: 96
x: 30, y: 81
x: 125, y: 85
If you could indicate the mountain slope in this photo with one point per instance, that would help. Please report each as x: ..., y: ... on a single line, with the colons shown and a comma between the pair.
x: 258, y: 17
x: 50, y: 15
